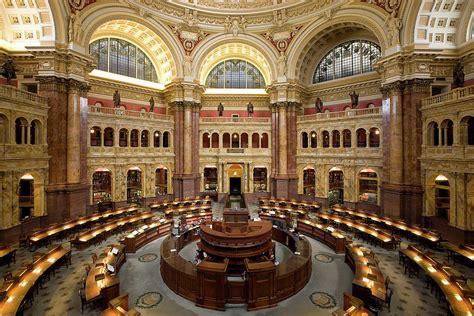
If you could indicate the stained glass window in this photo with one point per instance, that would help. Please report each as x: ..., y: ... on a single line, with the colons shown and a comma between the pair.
x: 123, y: 58
x: 347, y: 59
x: 235, y: 74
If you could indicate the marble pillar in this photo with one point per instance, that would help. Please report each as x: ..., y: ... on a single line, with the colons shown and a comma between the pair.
x: 68, y: 191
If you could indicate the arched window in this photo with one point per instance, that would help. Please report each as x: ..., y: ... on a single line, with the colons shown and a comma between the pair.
x: 235, y: 74
x: 145, y: 138
x: 314, y: 140
x: 433, y: 134
x: 244, y: 140
x: 215, y: 140
x: 134, y: 138
x: 123, y: 58
x: 264, y: 141
x: 109, y: 137
x: 3, y: 129
x: 361, y: 138
x: 336, y: 139
x: 226, y: 140
x: 123, y: 137
x: 304, y: 140
x: 442, y: 197
x: 346, y: 138
x: 325, y: 139
x: 347, y: 59
x: 447, y: 133
x: 35, y: 132
x: 166, y: 139
x: 467, y: 130
x: 206, y: 140
x: 374, y: 137
x: 156, y: 139
x: 21, y: 129
x: 95, y: 136
x: 255, y: 140
x: 134, y: 185
x: 235, y: 140
x: 336, y: 187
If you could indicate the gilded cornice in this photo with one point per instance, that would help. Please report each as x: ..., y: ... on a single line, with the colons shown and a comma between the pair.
x: 128, y: 91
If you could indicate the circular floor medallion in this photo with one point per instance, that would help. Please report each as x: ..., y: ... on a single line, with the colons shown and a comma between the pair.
x: 148, y: 257
x: 149, y: 300
x: 321, y: 257
x: 323, y: 300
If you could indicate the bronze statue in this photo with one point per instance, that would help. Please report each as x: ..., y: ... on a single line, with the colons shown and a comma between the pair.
x: 220, y: 109
x: 458, y: 76
x: 354, y: 99
x: 8, y: 69
x: 250, y: 109
x: 319, y: 105
x: 116, y: 99
x: 152, y: 104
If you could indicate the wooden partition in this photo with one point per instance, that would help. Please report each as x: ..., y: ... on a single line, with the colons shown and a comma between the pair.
x: 212, y: 278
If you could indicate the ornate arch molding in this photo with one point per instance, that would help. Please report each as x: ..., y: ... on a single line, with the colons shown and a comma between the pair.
x: 221, y: 47
x: 171, y: 59
x: 370, y: 19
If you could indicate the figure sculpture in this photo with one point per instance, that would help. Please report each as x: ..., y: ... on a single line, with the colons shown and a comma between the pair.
x: 116, y: 99
x: 8, y: 69
x: 458, y: 76
x: 220, y: 109
x: 354, y: 99
x: 318, y: 104
x: 152, y: 105
x: 250, y: 109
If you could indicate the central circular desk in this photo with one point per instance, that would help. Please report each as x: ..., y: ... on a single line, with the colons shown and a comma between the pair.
x: 239, y: 260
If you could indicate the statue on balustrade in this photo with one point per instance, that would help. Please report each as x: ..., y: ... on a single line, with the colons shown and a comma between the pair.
x: 458, y: 76
x: 116, y: 99
x: 152, y: 104
x: 250, y: 109
x: 354, y: 99
x: 8, y: 69
x: 220, y: 109
x: 318, y: 104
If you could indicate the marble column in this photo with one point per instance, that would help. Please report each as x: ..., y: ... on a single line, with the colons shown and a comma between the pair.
x: 188, y: 139
x: 68, y: 191
x: 402, y: 138
x: 282, y: 141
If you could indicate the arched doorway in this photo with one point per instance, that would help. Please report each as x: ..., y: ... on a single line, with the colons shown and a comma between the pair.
x: 101, y: 186
x: 235, y: 179
x: 336, y: 187
x: 26, y: 196
x: 368, y: 186
x: 309, y: 181
x: 161, y: 181
x: 210, y: 179
x: 442, y: 197
x: 260, y: 179
x: 134, y: 185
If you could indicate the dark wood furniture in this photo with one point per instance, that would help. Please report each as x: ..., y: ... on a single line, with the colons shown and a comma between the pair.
x: 146, y: 233
x: 324, y: 233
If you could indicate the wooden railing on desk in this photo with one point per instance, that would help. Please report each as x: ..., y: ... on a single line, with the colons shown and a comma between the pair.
x: 305, y: 205
x: 180, y: 203
x: 460, y: 304
x: 14, y: 293
x: 324, y: 233
x: 145, y: 234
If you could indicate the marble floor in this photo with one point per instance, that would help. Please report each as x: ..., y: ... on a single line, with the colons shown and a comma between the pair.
x: 140, y: 277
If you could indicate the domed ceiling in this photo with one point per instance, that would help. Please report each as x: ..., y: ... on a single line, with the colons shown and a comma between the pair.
x: 225, y: 6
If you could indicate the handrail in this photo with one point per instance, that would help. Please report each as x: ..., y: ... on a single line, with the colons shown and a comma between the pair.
x: 341, y: 114
x: 235, y: 120
x: 455, y: 94
x: 121, y: 112
x: 15, y: 93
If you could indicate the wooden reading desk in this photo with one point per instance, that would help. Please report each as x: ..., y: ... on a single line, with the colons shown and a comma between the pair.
x: 15, y: 292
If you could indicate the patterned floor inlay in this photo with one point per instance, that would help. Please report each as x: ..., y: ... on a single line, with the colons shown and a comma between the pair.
x: 149, y: 300
x: 324, y: 258
x: 148, y: 257
x: 323, y: 300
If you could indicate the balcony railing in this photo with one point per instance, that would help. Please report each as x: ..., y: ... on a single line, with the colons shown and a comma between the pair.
x: 341, y: 114
x: 235, y: 120
x: 15, y: 93
x: 130, y: 113
x: 455, y: 94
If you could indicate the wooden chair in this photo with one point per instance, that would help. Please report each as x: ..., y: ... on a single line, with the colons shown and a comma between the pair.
x: 7, y: 276
x: 94, y: 257
x: 24, y: 241
x: 87, y: 267
x: 84, y: 302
